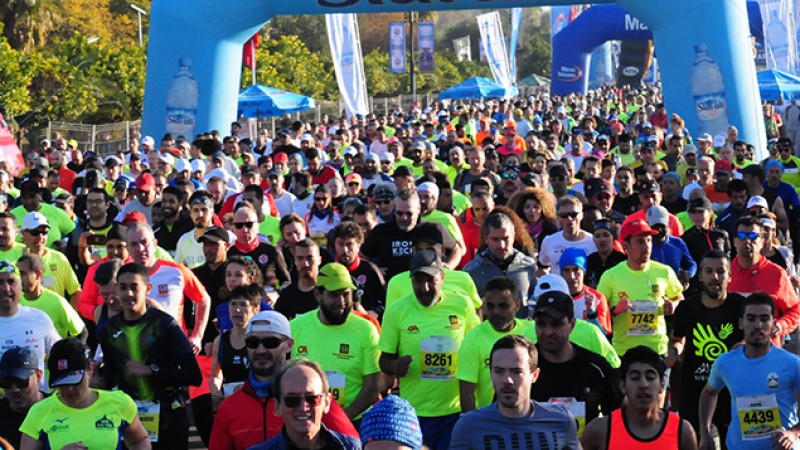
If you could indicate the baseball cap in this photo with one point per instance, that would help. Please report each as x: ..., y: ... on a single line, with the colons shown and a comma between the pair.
x: 145, y: 182
x: 723, y: 165
x: 166, y: 158
x: 269, y: 322
x: 121, y: 184
x: 635, y: 228
x: 689, y: 149
x: 705, y: 137
x: 280, y: 158
x: 182, y: 165
x: 215, y: 234
x: 67, y: 362
x: 594, y: 186
x: 384, y: 191
x: 113, y: 161
x: 197, y: 165
x: 351, y: 151
x: 753, y: 169
x: 392, y: 419
x: 429, y: 187
x: 248, y: 169
x: 548, y: 283
x: 426, y: 261
x: 218, y: 155
x: 757, y: 200
x: 335, y: 277
x: 34, y: 220
x: 148, y: 140
x: 657, y: 215
x: 573, y: 256
x: 372, y: 157
x: 419, y: 145
x: 701, y: 203
x: 133, y: 216
x: 354, y: 178
x: 306, y: 137
x: 648, y: 186
x: 555, y: 304
x: 719, y: 140
x: 18, y: 362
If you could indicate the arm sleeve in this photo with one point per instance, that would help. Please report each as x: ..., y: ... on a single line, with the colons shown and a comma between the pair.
x: 221, y: 438
x: 788, y: 305
x: 674, y: 286
x: 193, y: 289
x: 468, y: 361
x: 90, y: 297
x: 182, y: 369
x: 462, y: 432
x: 389, y: 341
x: 372, y: 354
x: 678, y: 321
x: 544, y: 253
x: 32, y: 425
x: 687, y: 263
x: 604, y: 287
x: 72, y: 321
x: 715, y: 377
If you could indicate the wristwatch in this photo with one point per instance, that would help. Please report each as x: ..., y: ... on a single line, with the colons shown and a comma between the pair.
x: 154, y: 368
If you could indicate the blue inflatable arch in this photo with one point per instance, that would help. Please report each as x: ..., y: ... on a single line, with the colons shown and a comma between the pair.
x: 210, y: 34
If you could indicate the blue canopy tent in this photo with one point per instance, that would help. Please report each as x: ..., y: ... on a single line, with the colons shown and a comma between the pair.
x: 263, y: 101
x: 477, y: 87
x: 774, y: 85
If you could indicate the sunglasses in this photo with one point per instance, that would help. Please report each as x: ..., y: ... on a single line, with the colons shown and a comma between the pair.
x: 270, y: 343
x: 19, y: 383
x: 37, y: 232
x: 571, y: 214
x: 510, y: 176
x: 745, y: 236
x: 320, y: 199
x: 354, y: 184
x: 240, y: 225
x: 293, y: 401
x: 403, y: 214
x: 383, y: 202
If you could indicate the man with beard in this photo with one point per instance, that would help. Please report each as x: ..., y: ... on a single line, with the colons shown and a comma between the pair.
x: 347, y: 238
x: 428, y: 199
x: 56, y: 159
x: 514, y: 368
x: 249, y: 244
x: 642, y: 422
x: 578, y: 378
x: 31, y: 199
x: 419, y: 344
x: 345, y: 345
x: 189, y: 250
x: 10, y: 249
x: 176, y: 221
x: 670, y: 250
x: 477, y: 160
x: 248, y: 416
x: 710, y: 321
x: 298, y: 297
x: 86, y: 244
x: 20, y: 377
x: 146, y: 196
x: 58, y: 274
x: 763, y: 382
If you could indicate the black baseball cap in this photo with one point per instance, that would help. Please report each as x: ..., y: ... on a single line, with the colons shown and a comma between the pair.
x: 18, y: 362
x: 67, y: 362
x: 426, y: 261
x: 699, y: 203
x: 594, y: 186
x: 555, y: 304
x: 215, y: 234
x: 648, y: 186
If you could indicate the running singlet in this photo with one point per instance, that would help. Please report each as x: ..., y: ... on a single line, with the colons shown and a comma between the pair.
x: 668, y: 438
x: 98, y: 426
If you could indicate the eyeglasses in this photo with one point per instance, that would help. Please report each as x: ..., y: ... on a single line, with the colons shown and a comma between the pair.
x: 747, y: 236
x: 570, y: 214
x: 19, y: 383
x: 239, y: 225
x: 293, y: 401
x: 269, y: 343
x: 383, y: 202
x: 510, y: 176
x: 37, y: 232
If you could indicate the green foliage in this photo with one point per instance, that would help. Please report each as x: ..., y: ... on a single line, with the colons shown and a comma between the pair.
x: 14, y: 80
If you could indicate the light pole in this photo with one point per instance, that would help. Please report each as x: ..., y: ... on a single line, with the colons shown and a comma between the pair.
x: 139, y: 12
x: 412, y: 19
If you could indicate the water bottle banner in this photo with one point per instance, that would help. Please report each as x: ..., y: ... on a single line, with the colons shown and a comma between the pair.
x: 780, y: 39
x: 182, y: 100
x: 207, y: 34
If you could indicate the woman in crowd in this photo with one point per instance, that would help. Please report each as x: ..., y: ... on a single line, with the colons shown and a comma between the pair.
x: 537, y: 209
x: 322, y: 216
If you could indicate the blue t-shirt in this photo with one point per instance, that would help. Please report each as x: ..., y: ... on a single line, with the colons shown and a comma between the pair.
x: 775, y: 374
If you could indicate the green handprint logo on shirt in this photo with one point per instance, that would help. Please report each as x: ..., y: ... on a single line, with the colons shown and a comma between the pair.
x: 706, y: 344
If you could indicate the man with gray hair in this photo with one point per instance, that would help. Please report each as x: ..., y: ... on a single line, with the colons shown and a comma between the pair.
x: 501, y: 259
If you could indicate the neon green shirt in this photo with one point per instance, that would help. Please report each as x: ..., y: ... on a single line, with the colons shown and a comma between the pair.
x: 448, y: 222
x: 100, y: 425
x: 12, y: 254
x: 58, y: 274
x: 461, y: 202
x: 347, y: 352
x: 432, y: 337
x: 64, y: 317
x: 591, y: 338
x: 644, y: 323
x: 473, y: 357
x: 271, y: 228
x: 60, y: 223
x: 455, y: 281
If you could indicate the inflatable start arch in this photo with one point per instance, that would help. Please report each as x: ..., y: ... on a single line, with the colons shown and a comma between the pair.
x: 707, y: 68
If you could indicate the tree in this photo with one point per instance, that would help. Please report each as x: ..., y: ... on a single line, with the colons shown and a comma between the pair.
x: 27, y: 22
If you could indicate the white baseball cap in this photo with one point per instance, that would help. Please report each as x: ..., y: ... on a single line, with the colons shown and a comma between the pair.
x: 34, y: 220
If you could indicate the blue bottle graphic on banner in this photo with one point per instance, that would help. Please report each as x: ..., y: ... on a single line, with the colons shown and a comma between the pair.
x: 708, y: 91
x: 777, y: 40
x: 182, y: 100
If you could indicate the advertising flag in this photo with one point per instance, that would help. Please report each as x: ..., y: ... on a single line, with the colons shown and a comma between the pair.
x: 425, y: 34
x: 397, y: 47
x: 780, y: 40
x: 516, y: 22
x: 463, y: 48
x: 345, y: 45
x: 494, y: 47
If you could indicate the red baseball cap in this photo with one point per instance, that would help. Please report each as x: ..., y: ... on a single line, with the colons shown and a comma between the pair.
x: 145, y: 182
x: 133, y: 216
x: 635, y: 228
x: 280, y: 158
x: 723, y: 165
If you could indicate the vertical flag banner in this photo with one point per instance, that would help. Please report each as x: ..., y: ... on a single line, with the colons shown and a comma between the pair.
x: 780, y: 40
x: 516, y: 22
x: 463, y: 48
x: 346, y: 54
x: 481, y: 52
x: 397, y: 47
x: 494, y: 47
x: 425, y: 39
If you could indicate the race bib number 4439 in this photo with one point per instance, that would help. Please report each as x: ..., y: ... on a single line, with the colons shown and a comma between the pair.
x: 758, y: 416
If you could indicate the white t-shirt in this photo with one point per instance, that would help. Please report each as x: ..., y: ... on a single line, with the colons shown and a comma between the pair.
x: 285, y: 203
x: 302, y: 207
x: 555, y: 244
x: 189, y: 252
x: 32, y: 329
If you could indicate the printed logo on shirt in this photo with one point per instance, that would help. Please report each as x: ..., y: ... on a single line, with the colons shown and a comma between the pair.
x: 402, y: 248
x: 263, y: 259
x: 59, y: 425
x: 453, y: 319
x: 344, y: 349
x: 707, y: 344
x: 53, y: 268
x: 413, y: 329
x: 302, y: 350
x: 163, y: 289
x: 104, y: 424
x: 772, y: 381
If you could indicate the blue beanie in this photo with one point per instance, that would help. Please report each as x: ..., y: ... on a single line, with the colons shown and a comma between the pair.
x: 774, y: 163
x: 392, y: 419
x: 674, y: 176
x: 573, y: 256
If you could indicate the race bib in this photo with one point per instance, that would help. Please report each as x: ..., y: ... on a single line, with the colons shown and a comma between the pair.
x: 438, y: 358
x: 642, y: 318
x: 229, y: 388
x: 758, y: 415
x: 149, y: 415
x: 576, y: 408
x: 337, y: 383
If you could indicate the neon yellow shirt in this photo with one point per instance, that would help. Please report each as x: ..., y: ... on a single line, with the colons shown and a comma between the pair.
x: 460, y: 202
x: 100, y: 425
x: 64, y: 317
x: 455, y: 281
x: 432, y: 337
x: 347, y: 352
x: 448, y: 222
x: 647, y: 289
x: 60, y: 223
x: 591, y: 338
x: 473, y: 358
x: 271, y: 228
x: 58, y: 274
x: 12, y: 254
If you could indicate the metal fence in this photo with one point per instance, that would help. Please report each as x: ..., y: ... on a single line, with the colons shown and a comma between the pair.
x: 103, y: 139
